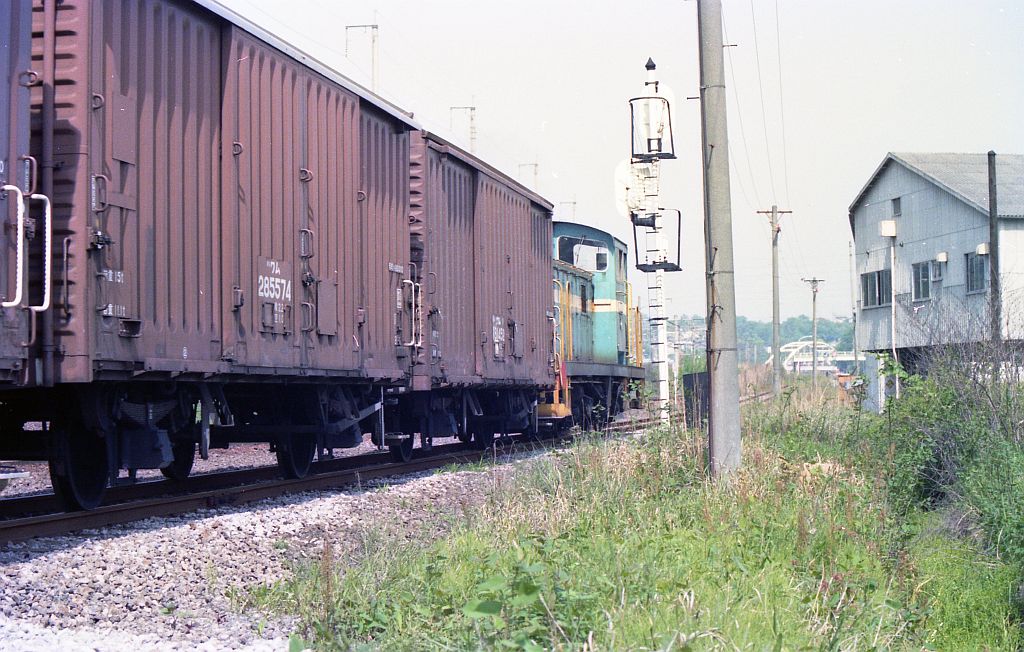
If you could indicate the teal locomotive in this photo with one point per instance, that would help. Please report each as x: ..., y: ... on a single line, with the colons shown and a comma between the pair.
x: 597, y: 330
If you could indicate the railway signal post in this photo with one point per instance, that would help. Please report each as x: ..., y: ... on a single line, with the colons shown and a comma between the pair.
x: 652, y: 142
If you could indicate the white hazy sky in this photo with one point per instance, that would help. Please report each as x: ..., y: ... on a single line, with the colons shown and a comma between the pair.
x: 551, y: 79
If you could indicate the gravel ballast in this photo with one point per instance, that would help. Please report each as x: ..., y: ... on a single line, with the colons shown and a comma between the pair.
x: 166, y: 584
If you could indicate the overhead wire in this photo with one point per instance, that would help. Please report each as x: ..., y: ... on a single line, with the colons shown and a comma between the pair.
x: 764, y: 114
x: 782, y: 104
x: 739, y: 116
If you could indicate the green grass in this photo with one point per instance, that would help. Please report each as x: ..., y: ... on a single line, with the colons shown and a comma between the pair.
x: 615, y: 545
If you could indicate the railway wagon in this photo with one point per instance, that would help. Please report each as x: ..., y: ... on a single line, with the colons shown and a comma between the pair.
x: 208, y: 241
x: 484, y: 339
x: 598, y: 332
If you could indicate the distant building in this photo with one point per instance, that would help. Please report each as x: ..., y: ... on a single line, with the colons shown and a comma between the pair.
x: 932, y: 211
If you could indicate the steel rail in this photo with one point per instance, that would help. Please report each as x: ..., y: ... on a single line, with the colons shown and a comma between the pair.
x: 63, y: 523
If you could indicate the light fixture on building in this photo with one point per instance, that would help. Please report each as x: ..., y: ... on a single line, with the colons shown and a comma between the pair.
x: 982, y: 249
x: 887, y: 228
x: 942, y: 257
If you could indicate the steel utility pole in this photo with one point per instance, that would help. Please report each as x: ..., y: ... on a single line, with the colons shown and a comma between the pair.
x: 375, y: 70
x: 814, y: 329
x: 995, y: 306
x: 536, y: 171
x: 724, y: 412
x: 472, y: 123
x: 776, y: 327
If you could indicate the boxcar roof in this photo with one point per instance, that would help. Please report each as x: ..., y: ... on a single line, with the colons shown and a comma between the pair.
x: 309, y: 61
x: 452, y: 149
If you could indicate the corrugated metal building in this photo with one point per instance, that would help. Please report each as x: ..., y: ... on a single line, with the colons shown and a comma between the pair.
x: 929, y: 212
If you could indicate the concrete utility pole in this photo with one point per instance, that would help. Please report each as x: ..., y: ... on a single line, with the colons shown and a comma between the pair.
x: 995, y: 300
x: 724, y: 412
x: 776, y: 327
x: 375, y: 70
x: 472, y: 123
x: 814, y: 329
x: 892, y: 310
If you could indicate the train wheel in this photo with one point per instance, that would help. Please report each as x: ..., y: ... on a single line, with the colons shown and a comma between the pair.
x: 402, y: 452
x: 79, y: 469
x: 295, y: 457
x: 184, y: 457
x: 483, y: 439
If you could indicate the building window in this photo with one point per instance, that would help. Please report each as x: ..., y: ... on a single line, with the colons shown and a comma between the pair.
x: 876, y: 288
x: 977, y: 272
x: 896, y: 209
x: 922, y: 281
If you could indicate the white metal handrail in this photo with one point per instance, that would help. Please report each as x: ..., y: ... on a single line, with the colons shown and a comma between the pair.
x: 19, y: 274
x: 47, y: 251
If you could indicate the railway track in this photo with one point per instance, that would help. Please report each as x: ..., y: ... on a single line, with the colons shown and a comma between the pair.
x: 163, y: 498
x: 40, y: 516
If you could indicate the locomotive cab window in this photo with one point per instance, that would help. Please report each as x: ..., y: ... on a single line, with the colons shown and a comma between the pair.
x: 591, y: 255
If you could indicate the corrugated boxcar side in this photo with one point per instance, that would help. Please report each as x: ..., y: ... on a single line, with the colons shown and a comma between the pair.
x: 332, y: 134
x: 315, y: 220
x: 15, y: 97
x: 540, y: 295
x: 384, y: 243
x: 513, y: 272
x: 135, y: 146
x: 450, y: 281
x: 262, y: 195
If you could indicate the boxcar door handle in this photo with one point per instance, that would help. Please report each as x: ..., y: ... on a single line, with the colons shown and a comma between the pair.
x: 308, y: 311
x: 47, y: 251
x: 20, y: 256
x: 67, y: 296
x: 99, y: 199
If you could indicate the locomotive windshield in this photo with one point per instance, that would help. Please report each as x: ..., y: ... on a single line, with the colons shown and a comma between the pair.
x: 590, y: 255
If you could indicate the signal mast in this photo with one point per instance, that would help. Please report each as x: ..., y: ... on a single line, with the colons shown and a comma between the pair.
x: 652, y: 142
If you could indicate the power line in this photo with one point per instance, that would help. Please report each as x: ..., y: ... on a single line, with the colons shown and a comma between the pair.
x: 739, y: 118
x: 782, y: 105
x: 764, y: 116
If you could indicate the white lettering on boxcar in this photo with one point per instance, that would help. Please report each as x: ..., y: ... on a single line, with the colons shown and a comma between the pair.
x: 112, y: 275
x: 271, y: 280
x: 498, y: 335
x: 114, y: 310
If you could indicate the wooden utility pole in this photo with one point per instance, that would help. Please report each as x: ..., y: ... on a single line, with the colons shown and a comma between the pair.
x: 724, y: 411
x: 995, y: 306
x: 814, y: 329
x: 776, y: 326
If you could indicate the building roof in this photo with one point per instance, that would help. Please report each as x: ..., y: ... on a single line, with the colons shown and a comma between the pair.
x: 965, y: 176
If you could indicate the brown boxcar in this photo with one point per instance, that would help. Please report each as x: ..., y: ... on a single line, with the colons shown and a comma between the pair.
x: 487, y: 261
x: 18, y: 172
x: 314, y: 230
x: 482, y: 242
x: 232, y: 257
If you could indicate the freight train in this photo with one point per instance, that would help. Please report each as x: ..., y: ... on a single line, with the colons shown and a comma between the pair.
x: 211, y: 237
